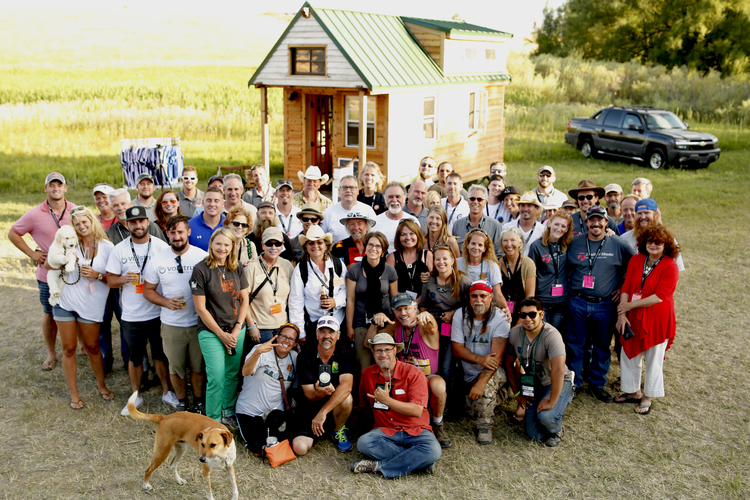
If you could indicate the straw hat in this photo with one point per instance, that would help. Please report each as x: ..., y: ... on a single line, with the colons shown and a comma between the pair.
x: 315, y: 233
x: 313, y: 173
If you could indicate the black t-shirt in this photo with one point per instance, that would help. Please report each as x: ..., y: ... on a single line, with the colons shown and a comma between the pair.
x: 410, y: 276
x: 376, y: 201
x: 545, y: 258
x: 308, y: 370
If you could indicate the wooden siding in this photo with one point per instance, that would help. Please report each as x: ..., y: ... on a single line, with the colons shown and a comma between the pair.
x: 308, y: 32
x: 431, y: 41
x: 470, y: 154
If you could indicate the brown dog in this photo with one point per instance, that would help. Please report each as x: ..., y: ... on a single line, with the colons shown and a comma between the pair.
x: 212, y: 440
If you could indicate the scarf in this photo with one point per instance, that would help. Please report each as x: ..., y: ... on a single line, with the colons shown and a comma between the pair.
x: 373, y: 285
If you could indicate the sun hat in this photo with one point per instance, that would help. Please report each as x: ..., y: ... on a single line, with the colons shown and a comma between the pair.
x: 315, y: 233
x: 586, y: 185
x: 313, y: 173
x: 310, y: 208
x: 357, y: 215
x: 385, y: 339
x: 529, y: 198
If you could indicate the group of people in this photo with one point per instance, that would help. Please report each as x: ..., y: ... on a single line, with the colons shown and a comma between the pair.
x: 408, y: 294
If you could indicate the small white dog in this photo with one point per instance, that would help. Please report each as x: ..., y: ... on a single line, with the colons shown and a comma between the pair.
x: 62, y: 252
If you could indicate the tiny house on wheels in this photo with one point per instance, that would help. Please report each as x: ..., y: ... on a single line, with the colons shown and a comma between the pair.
x: 387, y: 89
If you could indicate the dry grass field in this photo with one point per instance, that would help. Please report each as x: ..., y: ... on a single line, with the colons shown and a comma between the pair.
x: 694, y: 444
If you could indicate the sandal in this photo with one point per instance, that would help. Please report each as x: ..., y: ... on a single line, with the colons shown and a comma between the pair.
x: 107, y: 396
x: 624, y: 399
x: 76, y: 405
x: 616, y: 385
x: 641, y: 407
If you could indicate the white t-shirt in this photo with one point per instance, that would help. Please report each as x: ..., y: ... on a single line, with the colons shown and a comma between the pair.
x: 629, y: 238
x: 291, y: 225
x: 454, y: 213
x: 162, y: 271
x: 332, y: 219
x: 490, y: 270
x: 261, y: 389
x: 535, y: 233
x: 497, y: 212
x: 388, y: 227
x: 88, y: 302
x: 475, y: 341
x: 134, y: 306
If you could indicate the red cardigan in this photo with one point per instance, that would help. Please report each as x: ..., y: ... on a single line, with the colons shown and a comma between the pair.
x: 654, y: 324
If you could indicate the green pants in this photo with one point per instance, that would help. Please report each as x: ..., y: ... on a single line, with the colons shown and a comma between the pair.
x: 222, y: 371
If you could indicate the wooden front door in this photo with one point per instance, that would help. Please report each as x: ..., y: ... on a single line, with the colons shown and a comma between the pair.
x: 320, y: 131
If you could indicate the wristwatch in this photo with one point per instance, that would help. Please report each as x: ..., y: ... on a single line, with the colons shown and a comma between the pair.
x: 100, y: 277
x: 240, y: 323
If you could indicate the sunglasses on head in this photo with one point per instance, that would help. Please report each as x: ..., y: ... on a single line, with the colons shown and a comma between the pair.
x: 169, y: 202
x: 524, y: 315
x: 243, y: 225
x: 273, y: 243
x: 585, y: 197
x: 308, y: 219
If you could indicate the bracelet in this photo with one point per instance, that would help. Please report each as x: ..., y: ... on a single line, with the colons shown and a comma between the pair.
x: 251, y: 327
x: 516, y: 394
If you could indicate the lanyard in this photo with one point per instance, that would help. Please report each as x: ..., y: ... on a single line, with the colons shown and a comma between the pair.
x: 536, y: 345
x: 588, y: 247
x: 54, y: 217
x: 647, y: 270
x: 584, y: 228
x: 285, y: 227
x: 119, y: 230
x: 497, y: 210
x: 511, y: 273
x: 555, y: 261
x: 407, y: 348
x: 135, y: 257
x: 322, y: 280
x: 274, y: 286
x: 447, y: 203
x: 531, y: 232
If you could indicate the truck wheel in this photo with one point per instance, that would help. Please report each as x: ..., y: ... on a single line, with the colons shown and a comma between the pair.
x: 587, y: 148
x: 657, y: 158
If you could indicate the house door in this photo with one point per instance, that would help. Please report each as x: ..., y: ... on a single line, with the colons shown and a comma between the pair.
x: 320, y: 131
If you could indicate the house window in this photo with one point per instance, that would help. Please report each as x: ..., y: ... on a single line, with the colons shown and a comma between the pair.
x: 352, y: 121
x: 429, y: 117
x: 308, y: 61
x: 477, y: 111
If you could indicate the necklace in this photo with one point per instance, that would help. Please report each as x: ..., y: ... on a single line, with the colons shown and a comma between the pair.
x: 223, y: 276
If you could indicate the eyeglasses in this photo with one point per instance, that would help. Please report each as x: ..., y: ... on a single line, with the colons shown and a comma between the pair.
x: 524, y: 315
x: 374, y: 245
x: 273, y: 243
x: 586, y: 197
x: 348, y: 188
x: 178, y: 259
x: 290, y: 339
x: 474, y: 198
x: 243, y: 225
x: 168, y: 202
x: 189, y: 178
x: 309, y: 219
x: 378, y: 352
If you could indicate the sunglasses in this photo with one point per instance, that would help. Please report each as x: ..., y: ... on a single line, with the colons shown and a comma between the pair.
x: 545, y: 174
x: 168, y: 202
x: 524, y: 315
x: 474, y: 198
x: 586, y: 197
x: 496, y: 171
x: 240, y: 224
x: 273, y: 243
x: 427, y: 164
x: 187, y: 178
x: 309, y: 219
x: 178, y: 259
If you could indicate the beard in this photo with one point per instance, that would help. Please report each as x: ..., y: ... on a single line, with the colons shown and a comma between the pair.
x: 394, y: 208
x: 614, y: 205
x: 261, y: 225
x: 479, y: 307
x: 179, y: 247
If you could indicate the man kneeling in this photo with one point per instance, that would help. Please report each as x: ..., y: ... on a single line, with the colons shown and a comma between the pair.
x: 421, y: 338
x: 545, y: 381
x: 402, y: 441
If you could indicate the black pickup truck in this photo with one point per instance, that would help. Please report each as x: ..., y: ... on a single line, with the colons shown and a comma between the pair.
x: 654, y: 136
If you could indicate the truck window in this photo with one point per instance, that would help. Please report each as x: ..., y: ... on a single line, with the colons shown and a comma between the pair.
x: 631, y: 119
x: 614, y: 118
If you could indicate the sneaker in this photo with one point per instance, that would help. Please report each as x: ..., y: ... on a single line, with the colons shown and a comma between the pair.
x: 602, y: 395
x: 484, y: 435
x: 200, y: 407
x: 182, y: 406
x: 553, y: 440
x: 230, y: 421
x: 170, y: 398
x: 138, y: 404
x: 343, y: 443
x: 364, y: 466
x: 441, y: 436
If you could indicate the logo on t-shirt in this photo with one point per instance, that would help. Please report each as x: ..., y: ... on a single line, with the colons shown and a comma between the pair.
x: 545, y: 258
x: 124, y: 260
x: 162, y: 269
x: 581, y: 255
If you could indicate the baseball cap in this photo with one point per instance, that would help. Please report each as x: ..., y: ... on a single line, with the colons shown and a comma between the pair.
x: 144, y: 176
x: 546, y: 168
x: 612, y: 188
x: 136, y: 213
x: 215, y: 178
x: 273, y: 233
x: 508, y: 191
x: 597, y: 211
x: 402, y: 299
x: 54, y: 176
x: 328, y: 322
x: 103, y: 188
x: 569, y: 203
x: 646, y: 204
x: 286, y: 183
x: 265, y: 204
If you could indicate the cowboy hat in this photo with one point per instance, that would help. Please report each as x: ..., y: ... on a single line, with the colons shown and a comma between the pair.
x: 356, y: 215
x: 529, y: 198
x: 384, y: 338
x: 310, y: 208
x: 586, y: 185
x: 315, y: 233
x: 313, y: 173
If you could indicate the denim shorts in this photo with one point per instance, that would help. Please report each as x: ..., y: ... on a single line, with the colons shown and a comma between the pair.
x: 63, y: 315
x: 44, y: 296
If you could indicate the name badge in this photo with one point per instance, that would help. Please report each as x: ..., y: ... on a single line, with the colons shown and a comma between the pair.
x: 527, y: 385
x: 482, y: 276
x: 380, y: 406
x: 588, y: 281
x: 275, y: 308
x: 338, y: 281
x: 139, y: 288
x: 92, y: 287
x: 557, y: 290
x: 636, y: 297
x: 400, y: 392
x: 511, y: 305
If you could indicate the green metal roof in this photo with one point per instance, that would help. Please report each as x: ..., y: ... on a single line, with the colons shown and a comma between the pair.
x: 457, y: 27
x: 382, y: 51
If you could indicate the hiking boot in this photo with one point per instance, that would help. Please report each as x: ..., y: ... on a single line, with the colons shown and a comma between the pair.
x: 342, y: 440
x: 364, y: 466
x: 553, y: 440
x: 182, y: 405
x: 602, y: 395
x: 484, y: 435
x: 230, y: 421
x: 199, y: 407
x: 441, y: 436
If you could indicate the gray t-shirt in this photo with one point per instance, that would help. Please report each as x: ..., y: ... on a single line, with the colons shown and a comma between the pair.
x: 222, y: 293
x: 547, y: 345
x: 485, y: 271
x: 551, y: 269
x: 609, y: 268
x: 261, y: 389
x: 475, y: 340
x: 440, y: 297
x: 356, y: 274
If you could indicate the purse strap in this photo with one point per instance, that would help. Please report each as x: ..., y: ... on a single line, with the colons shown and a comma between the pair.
x: 281, y: 381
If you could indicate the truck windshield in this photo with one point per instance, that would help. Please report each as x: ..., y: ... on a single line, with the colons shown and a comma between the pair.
x: 666, y: 120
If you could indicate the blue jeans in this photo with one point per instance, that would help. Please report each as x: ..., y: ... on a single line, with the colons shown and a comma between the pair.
x: 445, y: 358
x: 266, y: 335
x: 401, y: 454
x: 591, y: 325
x: 540, y: 425
x: 554, y: 314
x: 105, y: 330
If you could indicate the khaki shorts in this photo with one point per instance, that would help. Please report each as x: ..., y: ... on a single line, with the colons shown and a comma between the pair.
x: 178, y: 343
